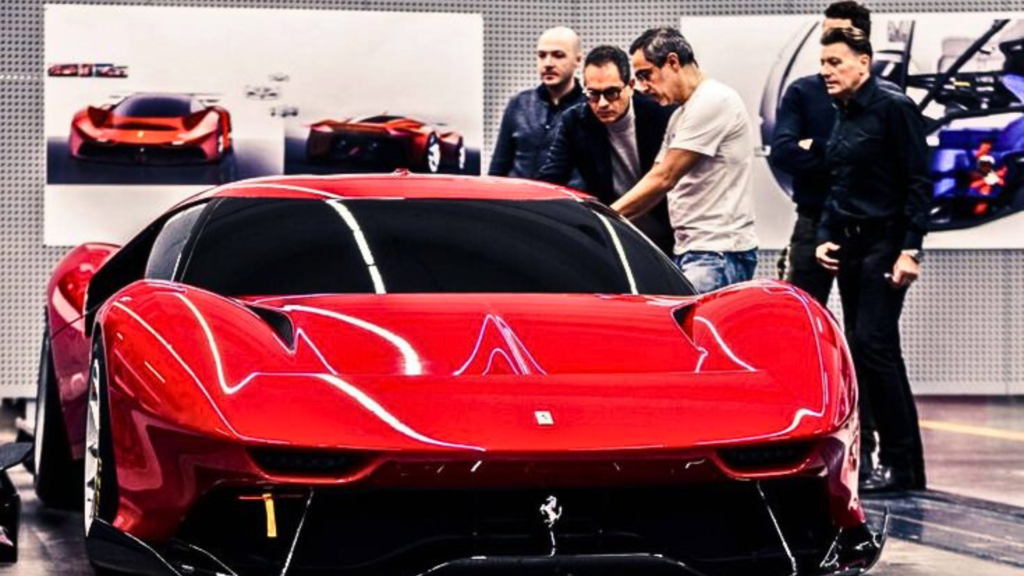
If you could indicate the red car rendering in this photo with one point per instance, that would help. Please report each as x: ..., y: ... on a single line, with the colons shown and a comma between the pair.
x: 399, y: 374
x: 152, y: 129
x: 387, y: 141
x: 68, y: 70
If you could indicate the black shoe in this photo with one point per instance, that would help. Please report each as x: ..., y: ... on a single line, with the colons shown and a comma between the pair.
x: 879, y: 480
x: 883, y: 480
x: 868, y: 465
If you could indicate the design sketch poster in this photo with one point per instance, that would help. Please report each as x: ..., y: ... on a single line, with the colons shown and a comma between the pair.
x: 145, y: 106
x: 975, y: 116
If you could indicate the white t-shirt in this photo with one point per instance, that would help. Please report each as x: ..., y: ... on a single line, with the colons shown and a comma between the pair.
x: 712, y: 206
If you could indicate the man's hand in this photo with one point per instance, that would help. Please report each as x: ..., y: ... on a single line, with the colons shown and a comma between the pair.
x: 822, y: 254
x: 656, y: 183
x: 904, y: 272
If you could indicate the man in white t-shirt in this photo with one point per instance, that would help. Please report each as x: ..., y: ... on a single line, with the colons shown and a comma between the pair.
x: 703, y: 167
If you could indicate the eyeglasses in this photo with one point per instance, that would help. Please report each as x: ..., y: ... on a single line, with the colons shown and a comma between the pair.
x: 610, y: 94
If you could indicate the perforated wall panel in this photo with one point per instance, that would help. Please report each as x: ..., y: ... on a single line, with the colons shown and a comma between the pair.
x: 964, y: 323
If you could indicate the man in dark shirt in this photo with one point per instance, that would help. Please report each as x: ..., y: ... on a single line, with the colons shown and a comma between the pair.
x: 804, y: 122
x: 874, y: 221
x: 531, y: 115
x: 612, y: 140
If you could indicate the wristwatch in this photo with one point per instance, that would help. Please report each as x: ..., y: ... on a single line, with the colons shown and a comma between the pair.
x: 915, y: 254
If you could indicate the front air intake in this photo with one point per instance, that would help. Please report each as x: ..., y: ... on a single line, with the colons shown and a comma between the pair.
x: 766, y: 458
x: 318, y: 463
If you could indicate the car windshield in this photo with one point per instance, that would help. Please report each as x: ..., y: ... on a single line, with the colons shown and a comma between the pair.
x: 154, y: 107
x: 261, y: 246
x: 379, y: 119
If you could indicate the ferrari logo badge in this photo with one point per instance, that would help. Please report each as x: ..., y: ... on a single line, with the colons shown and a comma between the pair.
x: 544, y: 418
x: 551, y: 511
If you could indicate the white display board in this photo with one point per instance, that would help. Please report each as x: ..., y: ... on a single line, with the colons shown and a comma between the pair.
x: 760, y: 55
x: 273, y: 72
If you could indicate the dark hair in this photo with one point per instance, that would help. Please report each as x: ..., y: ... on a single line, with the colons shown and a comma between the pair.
x: 856, y: 13
x: 856, y: 39
x: 658, y: 43
x: 609, y: 54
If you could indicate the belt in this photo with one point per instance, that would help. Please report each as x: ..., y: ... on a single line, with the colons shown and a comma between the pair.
x: 866, y: 228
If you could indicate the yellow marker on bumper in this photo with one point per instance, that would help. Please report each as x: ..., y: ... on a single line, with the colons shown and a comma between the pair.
x: 268, y: 501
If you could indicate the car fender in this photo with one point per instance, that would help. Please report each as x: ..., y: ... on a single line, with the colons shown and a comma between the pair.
x: 69, y: 343
x: 778, y: 328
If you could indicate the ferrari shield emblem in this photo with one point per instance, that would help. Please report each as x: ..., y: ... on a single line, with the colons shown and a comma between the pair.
x: 544, y: 418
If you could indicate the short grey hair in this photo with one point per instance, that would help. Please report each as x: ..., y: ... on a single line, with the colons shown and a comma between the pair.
x: 658, y: 43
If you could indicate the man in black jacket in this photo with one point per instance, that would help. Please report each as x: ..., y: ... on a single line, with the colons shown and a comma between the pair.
x: 612, y: 140
x: 871, y: 230
x: 804, y: 122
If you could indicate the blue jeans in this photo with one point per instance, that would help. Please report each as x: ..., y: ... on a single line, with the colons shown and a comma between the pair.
x: 709, y: 271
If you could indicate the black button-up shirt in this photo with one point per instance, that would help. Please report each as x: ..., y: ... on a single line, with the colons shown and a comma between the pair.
x: 526, y: 131
x: 806, y: 112
x: 877, y: 158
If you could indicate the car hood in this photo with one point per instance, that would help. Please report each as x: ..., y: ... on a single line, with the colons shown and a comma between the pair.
x: 469, y: 372
x: 483, y: 372
x: 477, y: 335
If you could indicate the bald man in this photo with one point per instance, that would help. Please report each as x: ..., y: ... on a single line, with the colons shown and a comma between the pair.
x: 532, y: 115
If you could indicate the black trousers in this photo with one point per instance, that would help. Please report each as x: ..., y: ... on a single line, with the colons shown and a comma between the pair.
x: 803, y: 269
x: 871, y: 311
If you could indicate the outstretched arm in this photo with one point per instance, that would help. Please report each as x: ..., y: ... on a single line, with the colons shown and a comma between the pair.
x: 662, y: 177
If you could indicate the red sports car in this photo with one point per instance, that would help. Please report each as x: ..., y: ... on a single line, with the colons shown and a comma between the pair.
x: 387, y: 141
x: 400, y: 374
x: 66, y: 70
x: 152, y: 129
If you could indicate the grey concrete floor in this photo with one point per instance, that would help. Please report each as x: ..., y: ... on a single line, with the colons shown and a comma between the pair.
x: 984, y: 460
x: 975, y: 446
x: 902, y: 558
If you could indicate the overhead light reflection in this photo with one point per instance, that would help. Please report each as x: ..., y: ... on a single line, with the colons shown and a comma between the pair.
x: 413, y: 365
x: 523, y: 364
x: 154, y: 371
x: 250, y: 185
x: 379, y: 411
x: 181, y: 361
x: 364, y: 246
x: 621, y: 253
x: 213, y: 346
x: 721, y: 343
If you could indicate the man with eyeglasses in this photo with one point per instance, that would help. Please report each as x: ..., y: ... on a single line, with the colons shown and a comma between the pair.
x: 531, y: 115
x: 704, y: 165
x: 612, y: 140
